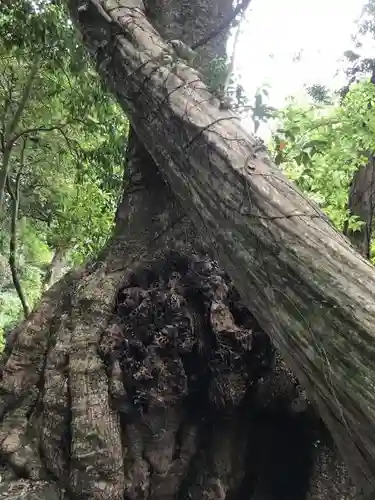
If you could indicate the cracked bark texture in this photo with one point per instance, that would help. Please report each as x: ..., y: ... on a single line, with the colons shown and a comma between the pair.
x: 158, y: 383
x: 144, y: 375
x: 299, y: 277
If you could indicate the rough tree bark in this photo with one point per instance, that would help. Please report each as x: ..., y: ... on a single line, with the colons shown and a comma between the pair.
x: 145, y: 374
x: 298, y: 276
x: 362, y: 204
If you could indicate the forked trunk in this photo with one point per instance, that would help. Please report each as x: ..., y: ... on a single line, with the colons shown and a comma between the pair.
x: 361, y: 199
x: 298, y: 276
x: 144, y: 376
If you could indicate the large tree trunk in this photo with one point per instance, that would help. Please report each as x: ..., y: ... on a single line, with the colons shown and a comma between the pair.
x: 162, y: 386
x: 145, y: 374
x: 299, y: 277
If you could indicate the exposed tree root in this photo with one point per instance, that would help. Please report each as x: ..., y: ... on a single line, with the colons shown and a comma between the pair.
x: 158, y: 384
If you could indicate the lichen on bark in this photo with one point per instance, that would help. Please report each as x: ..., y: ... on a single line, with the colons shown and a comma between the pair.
x: 266, y: 234
x: 146, y: 374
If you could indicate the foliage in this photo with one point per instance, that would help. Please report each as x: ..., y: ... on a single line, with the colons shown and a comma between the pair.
x: 259, y: 111
x: 68, y: 149
x: 359, y: 65
x: 319, y: 94
x: 217, y: 74
x: 218, y: 77
x: 320, y: 147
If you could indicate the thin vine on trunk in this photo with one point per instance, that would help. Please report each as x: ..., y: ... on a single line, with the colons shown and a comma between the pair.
x: 314, y: 295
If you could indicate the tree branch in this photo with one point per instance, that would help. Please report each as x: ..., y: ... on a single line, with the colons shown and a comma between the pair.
x: 9, y: 141
x: 41, y: 128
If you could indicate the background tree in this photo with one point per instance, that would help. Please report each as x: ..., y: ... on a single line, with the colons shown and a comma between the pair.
x: 61, y: 161
x: 322, y: 146
x: 362, y: 191
x: 328, y: 148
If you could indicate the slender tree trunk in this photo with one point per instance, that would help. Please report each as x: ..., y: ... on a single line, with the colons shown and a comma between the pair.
x: 297, y: 275
x: 362, y: 204
x: 15, y: 197
x: 10, y: 137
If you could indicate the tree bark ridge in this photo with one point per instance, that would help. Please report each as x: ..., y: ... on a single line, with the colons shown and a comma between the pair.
x: 285, y: 258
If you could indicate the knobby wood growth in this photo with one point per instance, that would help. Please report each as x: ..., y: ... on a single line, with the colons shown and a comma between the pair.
x: 300, y: 278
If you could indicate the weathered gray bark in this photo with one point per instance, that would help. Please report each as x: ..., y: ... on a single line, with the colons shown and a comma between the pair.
x: 204, y: 410
x: 297, y: 275
x: 220, y: 417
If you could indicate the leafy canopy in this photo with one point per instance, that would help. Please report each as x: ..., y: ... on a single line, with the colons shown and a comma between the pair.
x: 321, y: 147
x: 68, y: 152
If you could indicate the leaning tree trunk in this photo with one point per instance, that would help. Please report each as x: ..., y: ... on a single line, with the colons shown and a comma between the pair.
x: 297, y: 275
x: 145, y: 374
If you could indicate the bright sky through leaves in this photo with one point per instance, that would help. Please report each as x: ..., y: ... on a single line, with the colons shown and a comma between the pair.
x: 276, y: 32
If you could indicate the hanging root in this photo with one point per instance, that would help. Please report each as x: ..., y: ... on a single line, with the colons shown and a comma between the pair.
x: 157, y: 388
